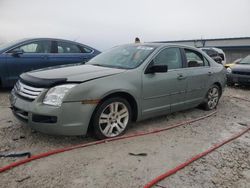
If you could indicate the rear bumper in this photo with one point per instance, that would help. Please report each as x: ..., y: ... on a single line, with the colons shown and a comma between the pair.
x: 70, y: 119
x: 237, y: 78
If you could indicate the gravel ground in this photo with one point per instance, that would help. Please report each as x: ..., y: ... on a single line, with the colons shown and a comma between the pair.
x: 109, y: 165
x: 228, y: 166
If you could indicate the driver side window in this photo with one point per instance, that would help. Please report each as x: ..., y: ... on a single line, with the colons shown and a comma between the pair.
x: 170, y: 57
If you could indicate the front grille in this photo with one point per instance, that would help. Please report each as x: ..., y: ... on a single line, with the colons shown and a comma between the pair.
x: 26, y: 91
x: 241, y: 73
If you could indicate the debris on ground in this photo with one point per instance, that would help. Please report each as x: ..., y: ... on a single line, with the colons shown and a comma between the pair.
x: 138, y: 154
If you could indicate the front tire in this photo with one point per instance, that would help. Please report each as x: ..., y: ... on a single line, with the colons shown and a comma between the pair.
x: 212, y: 97
x: 112, y: 118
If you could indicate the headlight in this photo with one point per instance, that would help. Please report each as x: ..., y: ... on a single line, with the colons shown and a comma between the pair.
x: 55, y: 95
x: 229, y: 70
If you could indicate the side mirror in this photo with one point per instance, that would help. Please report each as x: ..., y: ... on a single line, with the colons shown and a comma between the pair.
x: 156, y: 69
x: 16, y: 52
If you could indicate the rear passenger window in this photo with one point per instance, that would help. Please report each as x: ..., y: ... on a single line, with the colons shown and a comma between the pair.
x: 86, y: 50
x: 194, y: 59
x: 170, y: 57
x: 65, y: 47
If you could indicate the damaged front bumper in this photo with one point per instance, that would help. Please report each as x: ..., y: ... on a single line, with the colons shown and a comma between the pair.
x: 71, y: 118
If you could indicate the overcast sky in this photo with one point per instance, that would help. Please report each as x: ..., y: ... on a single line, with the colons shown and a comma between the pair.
x: 105, y: 23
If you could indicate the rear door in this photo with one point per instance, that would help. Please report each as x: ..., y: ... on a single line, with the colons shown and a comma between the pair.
x: 65, y: 53
x: 165, y: 92
x: 35, y: 56
x: 198, y: 75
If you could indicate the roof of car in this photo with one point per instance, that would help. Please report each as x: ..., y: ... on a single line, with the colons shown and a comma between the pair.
x: 158, y: 44
x: 25, y: 40
x: 56, y: 39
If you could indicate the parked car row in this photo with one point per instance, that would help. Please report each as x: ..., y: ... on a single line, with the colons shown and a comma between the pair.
x: 30, y: 54
x: 126, y: 83
x: 238, y: 71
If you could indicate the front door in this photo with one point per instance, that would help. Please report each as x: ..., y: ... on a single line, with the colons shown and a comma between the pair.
x: 35, y: 56
x: 164, y: 92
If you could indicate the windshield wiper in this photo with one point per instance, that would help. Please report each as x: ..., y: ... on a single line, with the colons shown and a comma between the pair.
x: 118, y: 67
x: 110, y: 66
x: 96, y: 64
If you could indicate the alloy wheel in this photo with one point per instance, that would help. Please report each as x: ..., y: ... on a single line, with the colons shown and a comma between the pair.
x: 114, y: 119
x: 213, y: 97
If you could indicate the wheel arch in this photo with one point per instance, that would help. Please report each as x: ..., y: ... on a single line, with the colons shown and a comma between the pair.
x: 220, y: 87
x: 131, y: 100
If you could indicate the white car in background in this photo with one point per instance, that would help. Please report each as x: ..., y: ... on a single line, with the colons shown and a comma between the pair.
x: 222, y: 55
x: 217, y: 54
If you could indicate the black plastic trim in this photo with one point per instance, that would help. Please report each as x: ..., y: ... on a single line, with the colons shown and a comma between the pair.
x: 44, y: 119
x: 41, y: 82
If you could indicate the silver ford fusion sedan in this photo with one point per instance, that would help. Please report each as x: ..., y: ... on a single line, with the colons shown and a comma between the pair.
x: 127, y: 83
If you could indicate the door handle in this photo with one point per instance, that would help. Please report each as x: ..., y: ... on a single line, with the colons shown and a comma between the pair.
x: 210, y: 73
x: 181, y: 77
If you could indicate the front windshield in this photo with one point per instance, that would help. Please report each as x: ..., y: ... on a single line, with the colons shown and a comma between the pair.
x: 9, y: 44
x: 3, y: 45
x: 246, y: 60
x: 125, y: 57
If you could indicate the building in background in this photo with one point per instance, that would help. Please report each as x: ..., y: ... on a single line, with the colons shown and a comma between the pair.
x: 234, y: 48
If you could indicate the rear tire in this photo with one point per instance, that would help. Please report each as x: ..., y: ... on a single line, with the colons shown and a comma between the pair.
x: 112, y: 118
x: 212, y: 98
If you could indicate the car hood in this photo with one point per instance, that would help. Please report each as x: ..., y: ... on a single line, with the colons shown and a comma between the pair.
x: 80, y: 73
x: 241, y: 67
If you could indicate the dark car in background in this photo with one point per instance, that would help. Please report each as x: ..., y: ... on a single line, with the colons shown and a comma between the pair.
x: 232, y: 63
x: 239, y: 73
x: 30, y: 54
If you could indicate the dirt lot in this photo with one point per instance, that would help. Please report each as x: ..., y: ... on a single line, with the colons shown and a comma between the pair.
x: 109, y: 165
